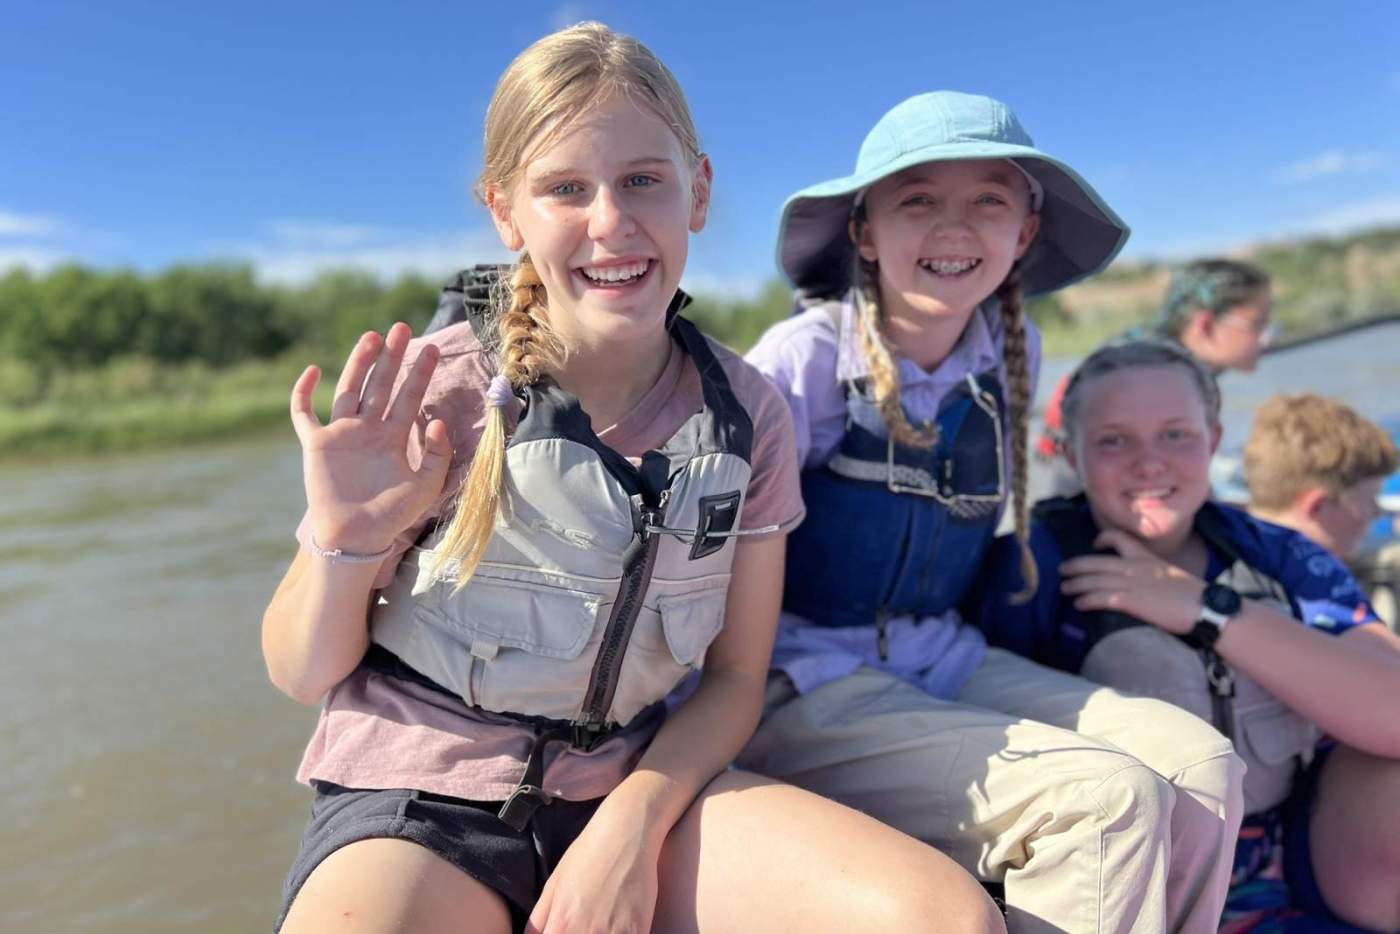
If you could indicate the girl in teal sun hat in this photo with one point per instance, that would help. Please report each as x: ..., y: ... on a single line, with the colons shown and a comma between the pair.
x: 910, y: 372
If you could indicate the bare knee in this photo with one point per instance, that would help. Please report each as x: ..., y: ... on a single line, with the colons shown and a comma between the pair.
x: 963, y: 908
x: 392, y: 885
x: 1355, y: 833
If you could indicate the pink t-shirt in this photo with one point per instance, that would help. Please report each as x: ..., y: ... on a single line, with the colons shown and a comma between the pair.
x: 377, y: 731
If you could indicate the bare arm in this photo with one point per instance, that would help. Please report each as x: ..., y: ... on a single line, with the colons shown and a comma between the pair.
x: 1337, y: 682
x: 1341, y: 683
x: 361, y: 492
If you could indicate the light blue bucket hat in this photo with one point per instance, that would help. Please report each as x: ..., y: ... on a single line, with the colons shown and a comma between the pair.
x: 1079, y: 233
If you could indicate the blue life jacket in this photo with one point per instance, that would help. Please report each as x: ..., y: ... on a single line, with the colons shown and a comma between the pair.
x: 893, y: 529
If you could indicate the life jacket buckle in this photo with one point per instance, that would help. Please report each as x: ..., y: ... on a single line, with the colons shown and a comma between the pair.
x: 519, y: 809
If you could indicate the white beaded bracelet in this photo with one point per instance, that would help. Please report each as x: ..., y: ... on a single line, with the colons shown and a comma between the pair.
x: 341, y: 556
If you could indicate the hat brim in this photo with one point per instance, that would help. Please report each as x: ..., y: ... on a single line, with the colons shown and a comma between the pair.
x: 1079, y: 234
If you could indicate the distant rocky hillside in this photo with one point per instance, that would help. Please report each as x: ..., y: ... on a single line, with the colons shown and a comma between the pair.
x: 1317, y: 283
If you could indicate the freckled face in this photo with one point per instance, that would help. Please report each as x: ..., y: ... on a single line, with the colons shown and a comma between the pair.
x: 1142, y: 445
x: 605, y: 213
x: 946, y: 233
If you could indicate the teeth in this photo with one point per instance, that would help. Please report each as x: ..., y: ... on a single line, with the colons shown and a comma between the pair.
x: 1152, y: 494
x: 614, y: 273
x: 948, y: 267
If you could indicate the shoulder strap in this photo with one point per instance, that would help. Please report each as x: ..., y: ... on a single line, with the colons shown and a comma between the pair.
x: 1071, y: 525
x: 467, y: 297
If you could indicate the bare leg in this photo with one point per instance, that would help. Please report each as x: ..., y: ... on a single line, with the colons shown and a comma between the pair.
x: 753, y: 854
x: 1355, y: 831
x: 384, y: 885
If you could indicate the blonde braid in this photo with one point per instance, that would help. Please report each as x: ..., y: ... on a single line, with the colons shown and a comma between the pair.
x: 1019, y: 394
x: 527, y: 350
x: 884, y: 372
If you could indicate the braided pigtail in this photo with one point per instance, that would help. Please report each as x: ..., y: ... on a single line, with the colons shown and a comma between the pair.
x: 884, y: 372
x: 1019, y: 394
x: 526, y: 350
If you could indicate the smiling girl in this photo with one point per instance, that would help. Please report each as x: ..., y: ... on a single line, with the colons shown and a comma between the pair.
x: 910, y: 391
x: 1149, y: 586
x: 521, y: 534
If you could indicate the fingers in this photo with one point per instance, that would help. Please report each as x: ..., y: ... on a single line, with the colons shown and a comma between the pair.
x: 539, y: 918
x: 352, y: 377
x: 1102, y: 600
x: 409, y: 398
x: 380, y: 385
x: 437, y: 454
x: 1087, y: 583
x: 304, y: 420
x: 1121, y: 542
x: 1093, y: 564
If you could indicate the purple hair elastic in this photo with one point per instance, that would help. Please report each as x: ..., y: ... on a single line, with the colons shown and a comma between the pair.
x: 499, y: 392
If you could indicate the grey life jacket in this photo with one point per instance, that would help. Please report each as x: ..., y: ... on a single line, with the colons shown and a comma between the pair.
x: 602, y: 584
x: 1138, y: 658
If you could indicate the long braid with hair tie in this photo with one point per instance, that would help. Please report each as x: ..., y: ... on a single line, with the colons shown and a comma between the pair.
x: 526, y: 352
x: 1019, y: 393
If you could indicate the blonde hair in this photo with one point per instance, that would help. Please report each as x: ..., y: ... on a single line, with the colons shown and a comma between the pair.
x: 1304, y: 441
x: 543, y: 92
x: 884, y: 385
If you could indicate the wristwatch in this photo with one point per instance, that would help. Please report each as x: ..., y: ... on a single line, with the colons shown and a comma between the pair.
x: 1219, y: 604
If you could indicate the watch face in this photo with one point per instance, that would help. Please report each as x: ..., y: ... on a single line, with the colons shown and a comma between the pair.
x: 1221, y: 599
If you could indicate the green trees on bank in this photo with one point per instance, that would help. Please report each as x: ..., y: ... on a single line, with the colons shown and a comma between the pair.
x: 217, y: 314
x: 93, y: 359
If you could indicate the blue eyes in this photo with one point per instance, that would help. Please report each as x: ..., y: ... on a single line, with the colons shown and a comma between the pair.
x: 569, y: 189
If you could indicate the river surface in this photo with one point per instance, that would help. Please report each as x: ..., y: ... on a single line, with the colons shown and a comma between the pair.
x: 147, y: 762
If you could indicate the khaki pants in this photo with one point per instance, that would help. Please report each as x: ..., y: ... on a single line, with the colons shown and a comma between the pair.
x: 1100, y: 812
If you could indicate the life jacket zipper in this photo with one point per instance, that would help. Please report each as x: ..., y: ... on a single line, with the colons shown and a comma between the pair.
x: 638, y: 563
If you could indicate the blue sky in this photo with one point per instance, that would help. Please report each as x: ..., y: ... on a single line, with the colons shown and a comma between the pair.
x: 297, y: 136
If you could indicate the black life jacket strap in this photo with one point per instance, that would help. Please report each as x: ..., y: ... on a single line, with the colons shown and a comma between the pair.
x: 1074, y: 532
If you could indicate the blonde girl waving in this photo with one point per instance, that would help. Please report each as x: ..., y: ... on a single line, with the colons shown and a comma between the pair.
x: 522, y: 533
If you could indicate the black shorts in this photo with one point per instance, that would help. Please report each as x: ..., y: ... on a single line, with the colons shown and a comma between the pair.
x: 468, y: 834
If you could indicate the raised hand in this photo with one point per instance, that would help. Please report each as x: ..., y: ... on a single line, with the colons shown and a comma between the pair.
x: 361, y: 490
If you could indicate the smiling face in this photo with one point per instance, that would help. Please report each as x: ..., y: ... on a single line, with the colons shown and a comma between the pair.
x: 605, y: 212
x: 946, y: 233
x: 1142, y: 442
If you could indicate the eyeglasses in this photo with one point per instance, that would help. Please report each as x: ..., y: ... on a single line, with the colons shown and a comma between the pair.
x: 1368, y: 509
x: 1263, y: 329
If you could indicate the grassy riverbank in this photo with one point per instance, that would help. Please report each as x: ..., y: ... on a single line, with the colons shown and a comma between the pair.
x: 98, y: 361
x: 131, y: 404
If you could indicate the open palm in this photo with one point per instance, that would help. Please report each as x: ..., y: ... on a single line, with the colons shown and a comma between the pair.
x: 361, y: 490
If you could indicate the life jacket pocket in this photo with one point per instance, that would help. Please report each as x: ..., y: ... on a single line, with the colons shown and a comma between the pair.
x: 539, y: 612
x: 1274, y: 733
x: 690, y: 622
x: 1272, y: 740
